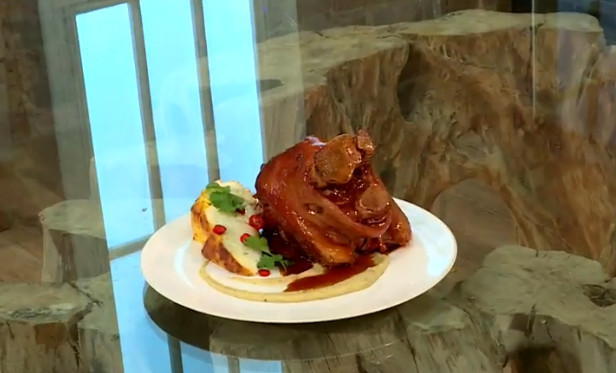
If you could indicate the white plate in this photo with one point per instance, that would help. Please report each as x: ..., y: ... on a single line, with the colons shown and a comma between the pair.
x: 170, y: 262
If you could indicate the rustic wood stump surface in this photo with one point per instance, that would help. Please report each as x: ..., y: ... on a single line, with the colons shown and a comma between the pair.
x: 74, y: 243
x: 59, y: 328
x: 524, y: 104
x: 541, y: 311
x: 522, y: 308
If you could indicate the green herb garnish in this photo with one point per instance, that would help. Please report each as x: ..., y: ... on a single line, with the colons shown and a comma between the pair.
x: 268, y: 260
x: 258, y: 243
x: 222, y: 198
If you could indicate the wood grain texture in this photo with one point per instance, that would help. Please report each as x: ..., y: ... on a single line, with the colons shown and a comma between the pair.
x: 316, y: 15
x: 59, y: 328
x: 21, y: 255
x: 74, y: 241
x: 480, y: 221
x: 547, y: 311
x: 473, y: 95
x: 30, y: 176
x: 99, y: 336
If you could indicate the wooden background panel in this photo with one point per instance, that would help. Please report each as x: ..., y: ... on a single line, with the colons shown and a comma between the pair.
x: 285, y: 16
x: 29, y: 175
x: 477, y: 95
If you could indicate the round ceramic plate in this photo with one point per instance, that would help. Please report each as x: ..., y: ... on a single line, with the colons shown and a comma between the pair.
x: 170, y: 262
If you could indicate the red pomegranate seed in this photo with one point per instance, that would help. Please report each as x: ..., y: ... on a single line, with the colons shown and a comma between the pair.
x: 264, y: 272
x: 244, y: 237
x: 219, y: 229
x: 256, y: 221
x: 241, y: 211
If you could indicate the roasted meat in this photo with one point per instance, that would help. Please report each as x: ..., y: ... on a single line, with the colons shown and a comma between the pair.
x: 326, y: 201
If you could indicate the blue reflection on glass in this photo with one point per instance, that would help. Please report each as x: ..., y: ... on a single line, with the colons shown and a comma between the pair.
x: 110, y: 78
x: 174, y: 84
x: 144, y: 344
x: 233, y: 80
x: 260, y: 366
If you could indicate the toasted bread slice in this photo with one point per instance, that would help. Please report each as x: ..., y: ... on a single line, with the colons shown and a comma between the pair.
x: 226, y: 250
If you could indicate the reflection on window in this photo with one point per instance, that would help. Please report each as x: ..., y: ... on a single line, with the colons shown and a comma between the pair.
x: 5, y: 130
x: 197, y: 360
x: 108, y: 61
x: 144, y: 344
x: 260, y: 366
x: 233, y: 79
x: 172, y: 69
x: 112, y: 95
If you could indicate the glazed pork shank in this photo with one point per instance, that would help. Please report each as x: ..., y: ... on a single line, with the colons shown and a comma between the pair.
x: 324, y: 201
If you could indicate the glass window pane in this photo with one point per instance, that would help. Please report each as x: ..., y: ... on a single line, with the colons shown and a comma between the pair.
x: 174, y: 85
x: 139, y: 336
x: 492, y: 124
x: 110, y: 77
x: 234, y: 84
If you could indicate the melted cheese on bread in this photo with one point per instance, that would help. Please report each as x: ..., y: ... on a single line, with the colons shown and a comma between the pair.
x: 226, y: 250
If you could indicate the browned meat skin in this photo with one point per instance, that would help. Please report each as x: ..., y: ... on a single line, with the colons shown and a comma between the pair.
x: 327, y: 199
x: 336, y: 162
x: 373, y: 203
x: 399, y: 232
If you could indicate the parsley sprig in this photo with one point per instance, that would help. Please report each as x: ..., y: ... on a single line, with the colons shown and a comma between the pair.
x: 268, y: 260
x: 222, y: 198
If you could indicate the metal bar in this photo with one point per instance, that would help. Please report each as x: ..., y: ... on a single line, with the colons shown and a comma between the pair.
x: 86, y: 6
x: 259, y: 19
x: 175, y: 354
x: 234, y: 364
x: 147, y: 116
x: 87, y: 147
x: 128, y: 249
x: 207, y: 108
x: 259, y: 33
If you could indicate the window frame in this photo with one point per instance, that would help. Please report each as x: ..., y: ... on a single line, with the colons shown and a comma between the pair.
x: 70, y: 109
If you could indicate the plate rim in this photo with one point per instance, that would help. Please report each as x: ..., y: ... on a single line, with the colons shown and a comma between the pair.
x: 333, y: 317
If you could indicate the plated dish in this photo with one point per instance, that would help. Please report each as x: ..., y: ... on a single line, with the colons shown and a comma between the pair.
x: 321, y: 231
x: 320, y: 225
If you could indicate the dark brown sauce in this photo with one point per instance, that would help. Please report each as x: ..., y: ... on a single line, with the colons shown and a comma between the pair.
x: 392, y: 248
x: 332, y: 275
x: 289, y: 250
x: 297, y: 267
